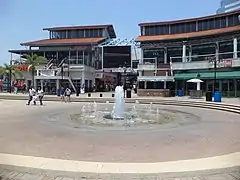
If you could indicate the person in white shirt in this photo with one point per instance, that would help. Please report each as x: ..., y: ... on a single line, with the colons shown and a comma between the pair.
x: 67, y: 94
x: 40, y: 95
x: 31, y: 93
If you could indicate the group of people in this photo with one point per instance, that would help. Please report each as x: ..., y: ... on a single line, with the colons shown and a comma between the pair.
x: 65, y: 94
x: 35, y: 95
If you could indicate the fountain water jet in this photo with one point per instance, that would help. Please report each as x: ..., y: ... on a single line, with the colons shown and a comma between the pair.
x: 118, y: 108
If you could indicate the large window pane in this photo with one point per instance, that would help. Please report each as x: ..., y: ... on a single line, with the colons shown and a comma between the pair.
x: 199, y: 51
x: 80, y: 33
x: 151, y: 54
x: 225, y: 49
x: 174, y: 52
x: 191, y: 27
x: 233, y: 20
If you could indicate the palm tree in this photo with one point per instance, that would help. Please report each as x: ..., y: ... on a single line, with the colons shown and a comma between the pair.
x: 10, y: 71
x: 32, y: 61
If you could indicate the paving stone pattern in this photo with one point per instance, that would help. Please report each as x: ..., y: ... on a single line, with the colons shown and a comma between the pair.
x: 16, y: 174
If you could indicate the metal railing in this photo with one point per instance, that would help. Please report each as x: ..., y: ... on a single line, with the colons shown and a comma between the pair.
x: 205, y: 57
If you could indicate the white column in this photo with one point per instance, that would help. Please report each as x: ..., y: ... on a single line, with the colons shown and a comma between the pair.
x: 190, y: 54
x: 235, y: 42
x: 83, y: 79
x: 165, y: 55
x: 145, y: 84
x: 217, y: 52
x: 165, y: 84
x: 57, y: 83
x: 184, y: 53
x: 41, y: 81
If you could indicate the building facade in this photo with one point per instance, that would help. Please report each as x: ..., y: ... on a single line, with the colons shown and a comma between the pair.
x: 72, y: 54
x: 229, y: 5
x: 80, y: 56
x: 189, y: 48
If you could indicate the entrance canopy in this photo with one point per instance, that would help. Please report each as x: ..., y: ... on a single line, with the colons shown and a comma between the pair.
x: 208, y: 75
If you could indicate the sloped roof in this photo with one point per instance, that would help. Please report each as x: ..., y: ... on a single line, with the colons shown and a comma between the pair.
x: 51, y: 42
x: 188, y: 35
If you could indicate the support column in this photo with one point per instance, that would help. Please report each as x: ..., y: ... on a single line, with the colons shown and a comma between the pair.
x: 190, y: 54
x: 235, y: 49
x: 57, y: 84
x: 165, y: 84
x: 217, y: 51
x: 184, y: 53
x: 145, y: 84
x: 41, y: 81
x: 165, y: 55
x: 235, y: 87
x: 83, y: 79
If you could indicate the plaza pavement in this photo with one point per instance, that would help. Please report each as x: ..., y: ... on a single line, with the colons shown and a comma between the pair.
x: 49, y: 150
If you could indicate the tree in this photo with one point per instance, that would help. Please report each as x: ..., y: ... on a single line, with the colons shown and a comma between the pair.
x: 10, y: 71
x: 32, y: 61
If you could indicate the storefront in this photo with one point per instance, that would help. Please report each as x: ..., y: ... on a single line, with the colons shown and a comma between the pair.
x: 228, y: 82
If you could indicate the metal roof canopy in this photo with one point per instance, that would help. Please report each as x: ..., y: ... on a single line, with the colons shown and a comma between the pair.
x: 119, y: 42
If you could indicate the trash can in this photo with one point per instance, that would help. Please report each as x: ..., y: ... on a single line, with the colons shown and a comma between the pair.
x: 129, y: 93
x: 58, y: 92
x: 217, y: 96
x: 89, y: 94
x: 77, y: 92
x: 101, y: 95
x: 179, y: 93
x: 209, y: 96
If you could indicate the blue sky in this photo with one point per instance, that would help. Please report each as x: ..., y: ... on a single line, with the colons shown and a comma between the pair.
x: 23, y: 20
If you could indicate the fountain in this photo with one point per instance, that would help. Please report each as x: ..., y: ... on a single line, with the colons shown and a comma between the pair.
x: 118, y: 108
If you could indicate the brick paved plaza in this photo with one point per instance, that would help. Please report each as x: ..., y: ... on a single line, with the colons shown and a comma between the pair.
x: 31, y: 131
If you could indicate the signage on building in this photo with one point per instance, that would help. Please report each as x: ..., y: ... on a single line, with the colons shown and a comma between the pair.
x: 223, y: 63
x: 22, y: 67
x: 98, y: 75
x: 118, y: 70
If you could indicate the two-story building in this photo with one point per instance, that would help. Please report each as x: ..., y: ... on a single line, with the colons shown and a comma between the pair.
x: 207, y: 48
x: 72, y: 53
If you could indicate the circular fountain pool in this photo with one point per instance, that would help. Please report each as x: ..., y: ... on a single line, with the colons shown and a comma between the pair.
x: 136, y: 116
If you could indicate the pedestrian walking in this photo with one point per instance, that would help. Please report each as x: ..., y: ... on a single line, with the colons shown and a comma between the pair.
x: 40, y: 95
x: 31, y: 94
x: 67, y: 94
x: 62, y: 94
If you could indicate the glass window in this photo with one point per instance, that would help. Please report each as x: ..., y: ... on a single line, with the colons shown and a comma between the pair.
x: 80, y: 33
x: 164, y: 29
x: 225, y: 49
x: 211, y: 24
x: 151, y: 30
x: 91, y: 32
x: 149, y: 55
x: 233, y: 20
x: 205, y: 25
x: 199, y: 51
x: 223, y: 22
x: 73, y: 34
x: 174, y: 52
x: 190, y: 27
x: 87, y: 33
x: 218, y: 23
x: 200, y: 26
x: 147, y: 31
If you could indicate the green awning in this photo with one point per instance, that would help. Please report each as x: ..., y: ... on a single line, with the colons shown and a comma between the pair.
x: 208, y: 75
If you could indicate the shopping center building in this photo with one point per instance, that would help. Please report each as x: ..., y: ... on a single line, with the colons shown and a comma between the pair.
x: 75, y: 57
x: 176, y: 51
x: 162, y: 59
